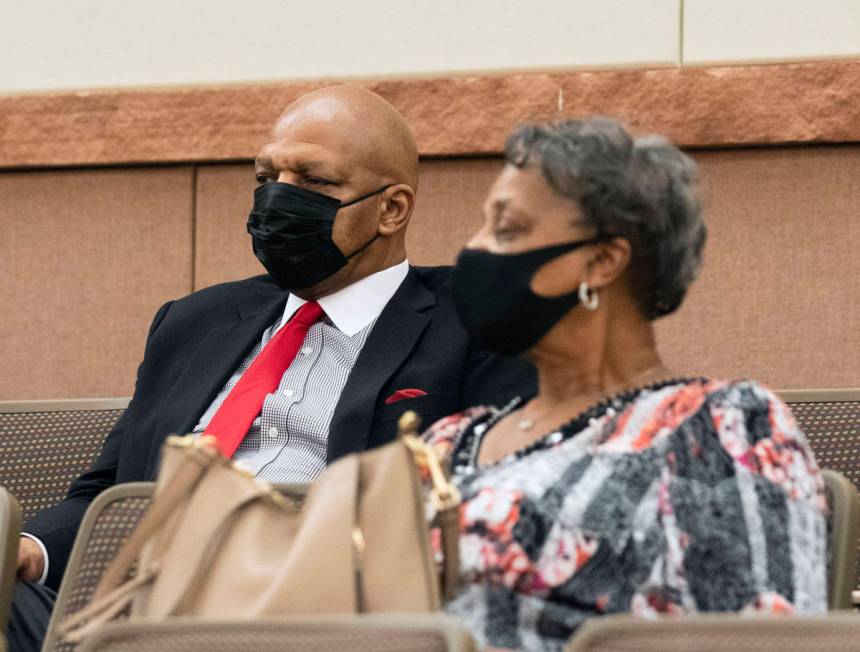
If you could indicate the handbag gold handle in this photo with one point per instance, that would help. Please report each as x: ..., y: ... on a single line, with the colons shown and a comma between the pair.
x: 444, y: 495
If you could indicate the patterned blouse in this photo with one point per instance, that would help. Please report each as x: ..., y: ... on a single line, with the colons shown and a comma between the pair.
x: 684, y: 496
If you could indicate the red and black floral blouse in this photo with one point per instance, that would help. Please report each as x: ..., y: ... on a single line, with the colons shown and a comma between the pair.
x: 684, y: 496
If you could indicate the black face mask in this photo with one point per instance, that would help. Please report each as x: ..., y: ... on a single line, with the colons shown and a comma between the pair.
x: 493, y: 297
x: 290, y: 231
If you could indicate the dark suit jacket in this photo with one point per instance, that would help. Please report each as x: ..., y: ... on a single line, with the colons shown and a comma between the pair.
x: 196, y: 343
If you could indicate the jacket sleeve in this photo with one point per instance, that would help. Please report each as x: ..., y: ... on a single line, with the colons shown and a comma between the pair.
x: 57, y: 526
x: 491, y: 379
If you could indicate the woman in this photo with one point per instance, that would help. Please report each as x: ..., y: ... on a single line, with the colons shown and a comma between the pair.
x: 621, y: 486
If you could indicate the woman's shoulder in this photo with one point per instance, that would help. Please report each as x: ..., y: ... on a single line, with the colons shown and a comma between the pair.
x: 761, y: 408
x: 764, y: 411
x: 730, y: 409
x: 758, y: 432
x: 693, y: 394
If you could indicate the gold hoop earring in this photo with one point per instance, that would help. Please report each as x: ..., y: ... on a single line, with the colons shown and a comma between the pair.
x: 588, y: 297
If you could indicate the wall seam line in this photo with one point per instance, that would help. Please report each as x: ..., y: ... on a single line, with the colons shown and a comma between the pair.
x: 194, y: 173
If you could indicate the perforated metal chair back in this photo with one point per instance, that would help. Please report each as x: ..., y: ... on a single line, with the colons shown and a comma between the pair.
x: 719, y: 633
x: 10, y: 531
x: 364, y: 633
x: 831, y: 420
x: 45, y: 445
x: 108, y: 522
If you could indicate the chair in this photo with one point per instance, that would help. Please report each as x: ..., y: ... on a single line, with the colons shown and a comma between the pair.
x: 45, y: 445
x: 357, y: 633
x: 107, y: 524
x: 831, y: 420
x: 718, y: 633
x: 10, y: 531
x: 844, y: 529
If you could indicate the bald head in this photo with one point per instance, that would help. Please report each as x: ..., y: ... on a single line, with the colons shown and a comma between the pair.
x: 349, y: 144
x: 361, y: 125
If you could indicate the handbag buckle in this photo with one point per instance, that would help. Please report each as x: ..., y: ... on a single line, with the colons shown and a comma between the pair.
x: 443, y: 494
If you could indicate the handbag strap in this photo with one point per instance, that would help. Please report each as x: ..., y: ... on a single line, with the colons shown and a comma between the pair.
x: 199, y: 457
x: 448, y: 521
x: 444, y: 496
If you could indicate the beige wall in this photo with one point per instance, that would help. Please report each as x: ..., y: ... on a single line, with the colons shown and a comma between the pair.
x: 87, y: 256
x: 766, y: 31
x: 48, y: 45
x: 97, y: 43
x: 85, y: 259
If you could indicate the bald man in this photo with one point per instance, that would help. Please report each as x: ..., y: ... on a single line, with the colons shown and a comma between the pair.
x: 336, y: 189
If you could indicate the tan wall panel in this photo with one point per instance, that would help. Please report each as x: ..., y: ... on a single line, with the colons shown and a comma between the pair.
x: 225, y: 194
x: 448, y: 211
x: 779, y: 296
x: 86, y: 257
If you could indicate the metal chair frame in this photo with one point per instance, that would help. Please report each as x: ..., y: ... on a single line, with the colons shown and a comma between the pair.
x: 718, y: 633
x: 38, y: 468
x: 836, y: 395
x: 64, y: 405
x: 82, y: 545
x: 845, y: 529
x: 118, y: 636
x: 10, y: 532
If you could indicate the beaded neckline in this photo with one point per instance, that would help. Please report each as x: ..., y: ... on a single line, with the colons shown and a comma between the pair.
x: 465, y: 456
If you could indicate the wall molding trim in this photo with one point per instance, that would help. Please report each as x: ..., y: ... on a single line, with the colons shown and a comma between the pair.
x: 452, y: 116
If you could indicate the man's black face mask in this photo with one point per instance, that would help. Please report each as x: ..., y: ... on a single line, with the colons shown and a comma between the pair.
x: 291, y: 229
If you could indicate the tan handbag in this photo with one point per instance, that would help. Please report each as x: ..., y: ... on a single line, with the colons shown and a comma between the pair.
x: 218, y: 543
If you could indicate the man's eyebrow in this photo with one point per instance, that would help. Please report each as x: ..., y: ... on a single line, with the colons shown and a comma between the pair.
x: 265, y: 162
x: 318, y: 167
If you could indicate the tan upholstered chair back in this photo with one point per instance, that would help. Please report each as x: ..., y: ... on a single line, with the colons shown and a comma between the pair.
x: 719, y: 633
x: 45, y: 445
x: 365, y: 633
x: 10, y: 530
x: 831, y: 420
x: 106, y: 525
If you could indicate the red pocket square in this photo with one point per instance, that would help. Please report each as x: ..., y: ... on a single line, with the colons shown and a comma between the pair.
x: 400, y: 394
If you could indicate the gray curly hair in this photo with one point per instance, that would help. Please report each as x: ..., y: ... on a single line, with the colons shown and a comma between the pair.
x: 643, y: 190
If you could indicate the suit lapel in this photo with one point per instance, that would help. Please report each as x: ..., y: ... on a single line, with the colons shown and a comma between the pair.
x: 395, y: 334
x: 220, y: 352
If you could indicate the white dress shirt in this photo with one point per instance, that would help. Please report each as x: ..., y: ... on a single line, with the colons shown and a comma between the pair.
x: 288, y: 441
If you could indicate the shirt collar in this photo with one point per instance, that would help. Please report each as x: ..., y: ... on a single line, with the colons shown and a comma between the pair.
x: 355, y: 306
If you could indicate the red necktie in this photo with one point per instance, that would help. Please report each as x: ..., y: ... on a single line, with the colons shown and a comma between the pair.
x: 245, y: 401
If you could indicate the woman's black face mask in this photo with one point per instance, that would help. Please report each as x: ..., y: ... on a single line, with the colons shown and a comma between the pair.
x: 493, y: 296
x: 291, y: 230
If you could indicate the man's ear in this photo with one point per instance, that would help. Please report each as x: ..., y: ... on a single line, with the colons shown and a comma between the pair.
x: 395, y: 209
x: 611, y: 259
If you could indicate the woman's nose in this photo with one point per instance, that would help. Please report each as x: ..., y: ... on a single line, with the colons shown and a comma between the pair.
x: 482, y: 239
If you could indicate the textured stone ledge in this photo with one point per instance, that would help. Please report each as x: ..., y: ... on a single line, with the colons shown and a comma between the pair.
x: 454, y: 116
